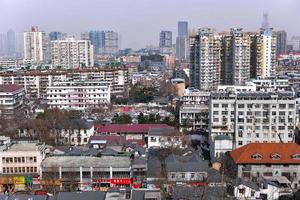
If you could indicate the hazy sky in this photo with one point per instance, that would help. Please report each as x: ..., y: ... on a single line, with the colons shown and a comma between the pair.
x: 140, y: 21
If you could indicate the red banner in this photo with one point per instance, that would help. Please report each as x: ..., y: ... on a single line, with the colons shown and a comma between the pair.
x: 117, y: 181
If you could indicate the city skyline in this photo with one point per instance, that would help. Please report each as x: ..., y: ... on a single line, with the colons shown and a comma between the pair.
x: 136, y: 24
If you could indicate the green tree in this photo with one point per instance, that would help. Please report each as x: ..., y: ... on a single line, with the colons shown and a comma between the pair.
x: 142, y: 119
x: 152, y: 118
x: 122, y: 119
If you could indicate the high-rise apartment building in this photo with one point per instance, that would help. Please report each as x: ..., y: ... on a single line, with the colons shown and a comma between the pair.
x: 165, y: 42
x: 263, y: 53
x: 182, y: 41
x: 235, y: 68
x: 111, y: 43
x: 97, y: 39
x: 104, y: 42
x: 35, y: 46
x: 295, y: 42
x: 11, y: 43
x: 281, y: 42
x: 205, y: 59
x: 183, y: 28
x: 54, y: 35
x: 2, y: 44
x: 72, y: 53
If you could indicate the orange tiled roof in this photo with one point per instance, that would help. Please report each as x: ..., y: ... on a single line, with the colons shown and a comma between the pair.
x: 244, y: 154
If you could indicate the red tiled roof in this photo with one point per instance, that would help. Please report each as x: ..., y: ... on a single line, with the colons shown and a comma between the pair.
x: 10, y: 87
x: 243, y: 155
x: 127, y: 128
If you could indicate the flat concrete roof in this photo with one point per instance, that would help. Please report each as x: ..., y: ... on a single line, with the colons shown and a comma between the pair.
x: 86, y: 162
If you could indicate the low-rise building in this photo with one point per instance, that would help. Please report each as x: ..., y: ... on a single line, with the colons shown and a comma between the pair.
x: 78, y: 95
x: 88, y: 172
x: 267, y: 159
x: 130, y: 131
x: 222, y: 144
x: 23, y: 158
x: 191, y: 168
x: 164, y: 138
x: 11, y: 100
x: 36, y: 82
x: 193, y: 112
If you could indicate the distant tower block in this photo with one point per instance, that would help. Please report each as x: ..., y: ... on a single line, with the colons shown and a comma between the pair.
x: 265, y: 22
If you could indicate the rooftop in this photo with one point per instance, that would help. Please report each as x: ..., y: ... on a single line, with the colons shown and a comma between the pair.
x: 162, y: 132
x: 10, y: 87
x: 267, y: 153
x: 86, y: 162
x: 127, y: 128
x: 25, y: 146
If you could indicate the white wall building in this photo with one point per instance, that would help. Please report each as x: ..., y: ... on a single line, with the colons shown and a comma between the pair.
x: 163, y: 137
x: 72, y: 53
x: 35, y: 83
x: 253, y: 116
x: 11, y: 100
x: 35, y: 46
x: 78, y: 95
x: 21, y: 158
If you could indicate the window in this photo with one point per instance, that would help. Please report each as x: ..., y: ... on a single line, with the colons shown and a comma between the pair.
x: 192, y: 175
x: 224, y: 112
x: 240, y: 143
x: 153, y: 139
x: 173, y: 176
x: 34, y: 159
x: 224, y: 105
x: 256, y: 156
x: 296, y: 156
x: 183, y: 175
x: 241, y: 105
x: 216, y: 105
x: 4, y: 170
x: 275, y: 156
x: 216, y: 112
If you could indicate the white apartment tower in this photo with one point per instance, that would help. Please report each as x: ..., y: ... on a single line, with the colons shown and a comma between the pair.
x: 205, y: 59
x: 263, y: 61
x: 35, y: 46
x: 71, y: 53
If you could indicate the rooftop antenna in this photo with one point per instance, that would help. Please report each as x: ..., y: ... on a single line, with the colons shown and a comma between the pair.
x: 265, y: 22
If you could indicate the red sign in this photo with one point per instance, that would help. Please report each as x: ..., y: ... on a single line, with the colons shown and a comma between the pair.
x: 117, y: 181
x: 137, y: 185
x: 121, y: 181
x: 198, y: 184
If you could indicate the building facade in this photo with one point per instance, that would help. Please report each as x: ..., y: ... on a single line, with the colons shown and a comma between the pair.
x: 281, y: 42
x: 235, y: 69
x: 35, y: 83
x: 253, y: 116
x: 165, y: 42
x: 11, y: 101
x: 263, y: 49
x: 21, y: 158
x: 71, y: 53
x: 193, y: 113
x: 268, y: 160
x: 35, y: 46
x: 205, y: 59
x: 78, y: 95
